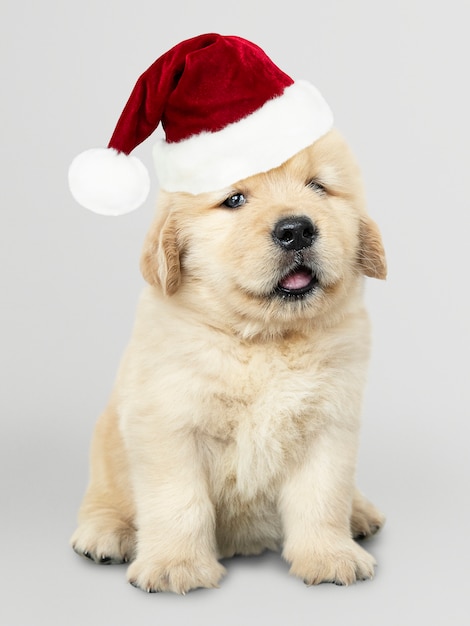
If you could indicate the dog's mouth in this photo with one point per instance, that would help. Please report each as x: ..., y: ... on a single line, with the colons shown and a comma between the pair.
x: 298, y: 283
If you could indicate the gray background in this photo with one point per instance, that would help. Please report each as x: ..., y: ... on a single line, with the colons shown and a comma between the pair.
x: 396, y: 77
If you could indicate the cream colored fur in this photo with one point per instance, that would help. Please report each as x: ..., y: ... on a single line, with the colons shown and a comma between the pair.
x: 233, y: 425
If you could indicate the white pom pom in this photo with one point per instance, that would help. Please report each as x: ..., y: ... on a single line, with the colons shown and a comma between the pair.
x: 108, y: 182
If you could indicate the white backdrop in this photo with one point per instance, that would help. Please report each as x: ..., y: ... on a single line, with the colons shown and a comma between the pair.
x: 396, y: 77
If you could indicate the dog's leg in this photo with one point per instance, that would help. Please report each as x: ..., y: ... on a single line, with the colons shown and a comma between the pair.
x: 106, y: 533
x: 176, y: 545
x: 366, y: 519
x: 316, y: 504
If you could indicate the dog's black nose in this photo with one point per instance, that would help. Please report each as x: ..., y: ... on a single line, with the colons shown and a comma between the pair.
x: 294, y: 233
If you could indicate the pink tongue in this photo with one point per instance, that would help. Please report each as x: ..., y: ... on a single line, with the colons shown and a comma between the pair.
x: 297, y: 280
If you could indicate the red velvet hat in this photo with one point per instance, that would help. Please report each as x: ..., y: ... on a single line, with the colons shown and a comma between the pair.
x: 227, y: 111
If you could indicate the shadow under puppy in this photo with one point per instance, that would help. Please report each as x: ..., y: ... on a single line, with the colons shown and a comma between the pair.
x: 234, y: 421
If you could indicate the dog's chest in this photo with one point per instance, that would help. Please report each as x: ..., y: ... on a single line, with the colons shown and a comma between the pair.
x: 257, y: 414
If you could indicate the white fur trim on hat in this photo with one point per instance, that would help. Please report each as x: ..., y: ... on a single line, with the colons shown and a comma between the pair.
x: 256, y: 143
x: 108, y: 182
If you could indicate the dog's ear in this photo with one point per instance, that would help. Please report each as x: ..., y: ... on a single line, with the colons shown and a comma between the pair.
x: 371, y: 255
x: 160, y: 260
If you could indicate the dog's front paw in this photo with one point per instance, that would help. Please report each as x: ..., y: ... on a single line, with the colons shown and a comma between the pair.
x: 342, y: 564
x: 177, y: 576
x: 105, y: 541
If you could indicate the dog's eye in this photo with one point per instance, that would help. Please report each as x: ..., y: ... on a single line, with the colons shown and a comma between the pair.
x: 316, y: 186
x: 235, y: 201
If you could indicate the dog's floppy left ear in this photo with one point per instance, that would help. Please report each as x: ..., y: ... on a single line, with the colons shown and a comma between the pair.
x: 160, y: 261
x: 371, y: 255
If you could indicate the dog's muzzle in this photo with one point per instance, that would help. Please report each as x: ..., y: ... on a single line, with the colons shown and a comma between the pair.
x: 295, y: 235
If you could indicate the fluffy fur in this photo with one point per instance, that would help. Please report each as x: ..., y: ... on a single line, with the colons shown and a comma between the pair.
x: 233, y: 425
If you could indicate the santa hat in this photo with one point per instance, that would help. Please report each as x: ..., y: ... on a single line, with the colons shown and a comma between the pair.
x: 227, y: 112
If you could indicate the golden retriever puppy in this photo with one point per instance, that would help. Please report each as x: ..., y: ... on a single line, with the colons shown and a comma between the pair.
x: 233, y: 425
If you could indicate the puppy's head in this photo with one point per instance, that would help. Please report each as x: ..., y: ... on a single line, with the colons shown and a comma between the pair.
x: 275, y: 251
